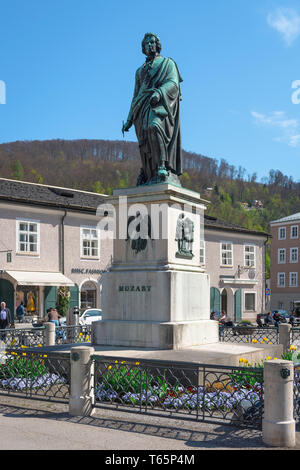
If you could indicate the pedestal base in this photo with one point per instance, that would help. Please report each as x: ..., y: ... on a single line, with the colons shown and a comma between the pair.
x: 143, y: 334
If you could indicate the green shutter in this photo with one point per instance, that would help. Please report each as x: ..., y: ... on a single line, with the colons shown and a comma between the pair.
x: 238, y: 305
x: 7, y: 295
x: 50, y: 297
x: 215, y: 299
x: 74, y: 297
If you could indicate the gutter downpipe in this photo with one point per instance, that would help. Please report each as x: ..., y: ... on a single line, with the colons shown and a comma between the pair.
x: 62, y: 241
x: 265, y: 276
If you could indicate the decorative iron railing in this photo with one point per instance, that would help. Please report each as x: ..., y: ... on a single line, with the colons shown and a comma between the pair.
x: 297, y: 392
x: 35, y: 375
x: 32, y: 337
x: 249, y: 334
x: 210, y: 393
x: 18, y: 337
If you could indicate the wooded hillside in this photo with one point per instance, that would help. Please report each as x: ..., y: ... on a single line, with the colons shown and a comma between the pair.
x: 102, y: 165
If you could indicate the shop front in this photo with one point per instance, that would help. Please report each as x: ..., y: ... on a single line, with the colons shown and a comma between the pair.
x: 37, y: 290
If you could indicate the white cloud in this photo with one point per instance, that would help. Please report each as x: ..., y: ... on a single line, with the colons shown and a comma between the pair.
x: 287, y: 22
x: 290, y: 127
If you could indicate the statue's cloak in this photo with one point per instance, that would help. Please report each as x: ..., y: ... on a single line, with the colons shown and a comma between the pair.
x: 163, y: 77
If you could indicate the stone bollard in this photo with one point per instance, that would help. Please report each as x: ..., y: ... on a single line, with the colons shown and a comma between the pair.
x: 49, y: 334
x: 284, y: 335
x: 279, y: 427
x: 82, y: 392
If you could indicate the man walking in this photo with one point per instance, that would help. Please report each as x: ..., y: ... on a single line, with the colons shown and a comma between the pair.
x: 5, y: 320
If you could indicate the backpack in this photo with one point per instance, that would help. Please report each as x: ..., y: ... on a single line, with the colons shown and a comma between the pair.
x: 20, y: 311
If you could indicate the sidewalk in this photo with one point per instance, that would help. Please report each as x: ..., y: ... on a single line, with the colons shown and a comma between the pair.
x: 34, y: 425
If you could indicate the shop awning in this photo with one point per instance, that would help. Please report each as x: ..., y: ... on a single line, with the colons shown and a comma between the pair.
x: 33, y: 278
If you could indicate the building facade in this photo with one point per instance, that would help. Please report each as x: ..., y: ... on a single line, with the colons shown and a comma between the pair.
x: 235, y: 259
x: 50, y: 237
x: 285, y: 248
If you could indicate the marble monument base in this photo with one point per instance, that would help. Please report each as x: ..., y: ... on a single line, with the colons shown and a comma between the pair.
x: 154, y: 335
x: 155, y: 294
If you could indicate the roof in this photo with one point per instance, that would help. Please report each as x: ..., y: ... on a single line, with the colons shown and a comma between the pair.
x: 85, y: 201
x: 46, y: 195
x: 289, y: 218
x: 219, y: 224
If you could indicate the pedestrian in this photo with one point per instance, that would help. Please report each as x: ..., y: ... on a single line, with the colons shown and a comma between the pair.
x: 223, y: 318
x: 20, y: 312
x: 5, y: 320
x: 277, y: 318
x: 269, y: 319
x: 213, y: 315
x: 54, y: 316
x: 293, y: 317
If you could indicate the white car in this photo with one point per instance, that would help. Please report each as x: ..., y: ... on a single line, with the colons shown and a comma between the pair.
x: 90, y: 315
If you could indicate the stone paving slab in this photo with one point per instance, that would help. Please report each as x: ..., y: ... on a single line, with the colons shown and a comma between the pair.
x: 48, y: 426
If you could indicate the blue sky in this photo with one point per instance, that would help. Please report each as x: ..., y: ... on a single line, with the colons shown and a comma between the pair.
x: 69, y: 66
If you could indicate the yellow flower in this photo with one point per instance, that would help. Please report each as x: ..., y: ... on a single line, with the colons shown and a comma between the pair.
x: 293, y: 348
x: 275, y: 358
x: 254, y: 341
x: 44, y: 355
x: 39, y: 345
x: 262, y: 342
x: 137, y: 363
x: 23, y: 354
x: 265, y: 339
x: 109, y: 367
x: 123, y: 362
x: 270, y: 342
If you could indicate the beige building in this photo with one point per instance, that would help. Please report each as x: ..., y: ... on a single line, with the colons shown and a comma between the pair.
x: 285, y: 248
x: 49, y: 238
x: 235, y: 260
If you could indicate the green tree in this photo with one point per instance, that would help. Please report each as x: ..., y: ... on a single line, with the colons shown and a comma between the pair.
x: 17, y: 171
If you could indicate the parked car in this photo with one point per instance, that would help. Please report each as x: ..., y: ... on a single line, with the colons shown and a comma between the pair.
x: 90, y: 315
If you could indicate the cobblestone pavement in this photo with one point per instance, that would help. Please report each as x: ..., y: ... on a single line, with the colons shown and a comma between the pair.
x: 33, y: 425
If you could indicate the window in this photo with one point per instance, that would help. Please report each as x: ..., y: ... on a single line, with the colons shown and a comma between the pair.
x: 293, y: 255
x: 281, y: 280
x: 294, y: 231
x: 249, y: 255
x: 281, y: 255
x: 89, y: 242
x: 226, y: 254
x: 250, y: 301
x: 281, y: 233
x: 28, y: 236
x: 202, y: 252
x: 293, y: 279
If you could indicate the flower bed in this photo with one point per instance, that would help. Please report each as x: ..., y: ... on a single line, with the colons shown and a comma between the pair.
x: 19, y: 371
x: 124, y: 384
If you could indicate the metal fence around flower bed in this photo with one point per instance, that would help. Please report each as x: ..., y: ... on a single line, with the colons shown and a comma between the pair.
x: 31, y: 337
x: 297, y: 392
x: 249, y: 334
x: 295, y: 335
x: 210, y: 393
x: 73, y: 334
x: 17, y: 337
x: 35, y: 375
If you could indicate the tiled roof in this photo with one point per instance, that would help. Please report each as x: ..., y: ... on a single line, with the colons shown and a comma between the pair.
x: 219, y: 224
x: 40, y: 194
x: 289, y: 218
x: 53, y: 196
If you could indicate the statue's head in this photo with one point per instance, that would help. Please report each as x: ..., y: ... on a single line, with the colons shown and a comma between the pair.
x: 153, y: 38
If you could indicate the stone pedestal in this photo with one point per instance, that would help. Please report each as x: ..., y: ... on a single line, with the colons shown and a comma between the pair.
x: 156, y: 294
